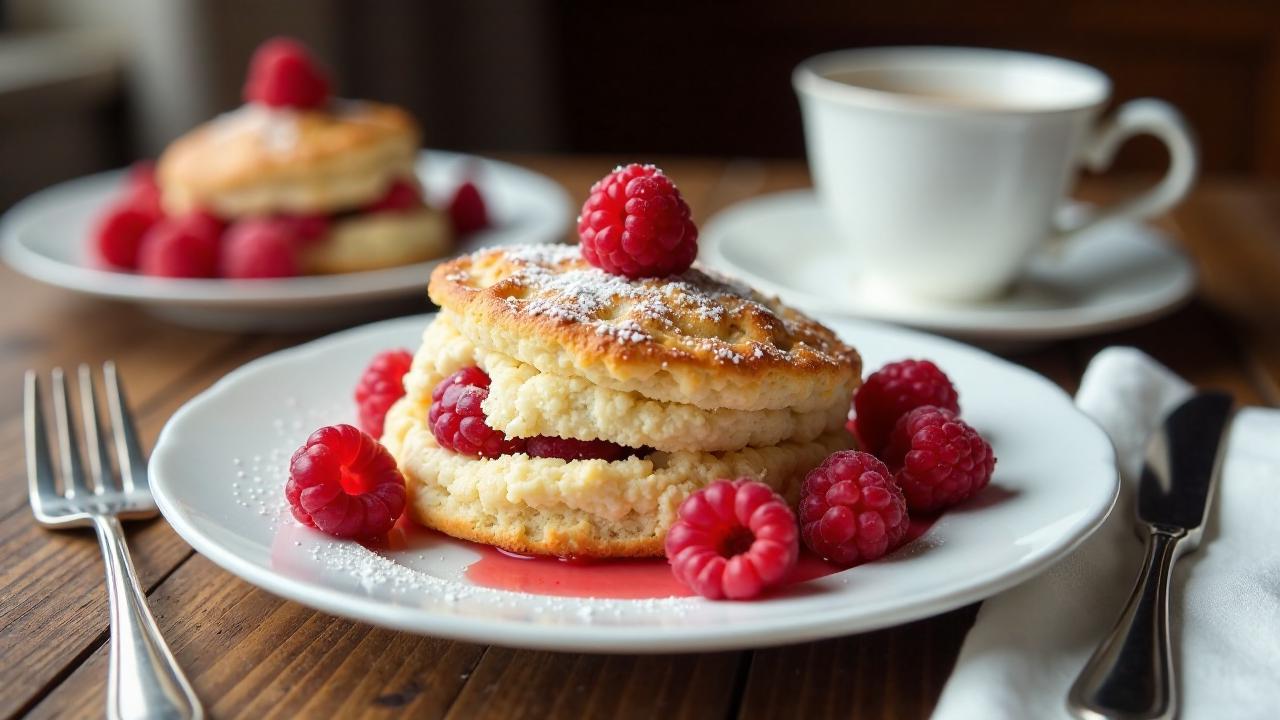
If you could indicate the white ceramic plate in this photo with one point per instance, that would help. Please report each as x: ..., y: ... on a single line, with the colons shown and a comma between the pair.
x: 219, y: 468
x: 1118, y: 275
x: 46, y: 236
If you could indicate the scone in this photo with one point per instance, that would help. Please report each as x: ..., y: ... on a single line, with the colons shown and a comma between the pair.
x: 260, y: 160
x: 347, y: 167
x: 337, y: 163
x: 696, y: 376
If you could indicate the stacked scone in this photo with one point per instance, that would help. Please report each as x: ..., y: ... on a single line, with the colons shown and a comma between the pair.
x: 292, y: 182
x: 349, y: 165
x: 612, y: 400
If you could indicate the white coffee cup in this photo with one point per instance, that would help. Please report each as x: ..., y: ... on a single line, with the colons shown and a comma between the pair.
x: 945, y: 169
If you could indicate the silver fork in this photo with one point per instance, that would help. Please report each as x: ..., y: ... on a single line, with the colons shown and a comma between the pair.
x: 143, y: 679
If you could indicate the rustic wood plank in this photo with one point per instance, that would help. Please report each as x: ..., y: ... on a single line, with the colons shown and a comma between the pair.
x: 1233, y: 232
x: 524, y: 684
x: 894, y: 673
x: 253, y: 655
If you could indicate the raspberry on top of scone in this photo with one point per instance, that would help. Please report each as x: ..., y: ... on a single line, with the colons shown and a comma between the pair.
x: 635, y: 223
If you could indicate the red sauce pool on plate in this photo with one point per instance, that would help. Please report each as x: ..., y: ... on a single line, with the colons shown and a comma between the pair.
x: 626, y: 579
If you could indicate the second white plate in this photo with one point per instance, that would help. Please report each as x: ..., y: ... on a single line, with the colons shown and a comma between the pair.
x: 46, y: 236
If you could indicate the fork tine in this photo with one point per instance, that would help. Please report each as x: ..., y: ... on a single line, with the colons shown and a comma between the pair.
x: 133, y: 464
x: 95, y: 442
x: 42, y: 483
x: 73, y: 483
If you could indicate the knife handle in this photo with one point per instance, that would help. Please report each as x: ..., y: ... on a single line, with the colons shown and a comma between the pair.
x: 1130, y: 675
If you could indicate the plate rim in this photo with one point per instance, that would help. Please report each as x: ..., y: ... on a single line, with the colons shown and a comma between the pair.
x: 1025, y: 325
x: 311, y: 290
x: 601, y: 638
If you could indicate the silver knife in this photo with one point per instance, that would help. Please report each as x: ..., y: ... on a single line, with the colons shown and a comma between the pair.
x: 1131, y: 673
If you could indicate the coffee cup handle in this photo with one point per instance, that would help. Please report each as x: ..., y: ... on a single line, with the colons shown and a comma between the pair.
x: 1137, y: 117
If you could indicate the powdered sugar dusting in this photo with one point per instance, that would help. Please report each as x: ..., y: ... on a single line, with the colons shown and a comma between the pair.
x: 377, y: 574
x: 627, y: 331
x: 276, y: 129
x: 558, y: 285
x: 725, y: 354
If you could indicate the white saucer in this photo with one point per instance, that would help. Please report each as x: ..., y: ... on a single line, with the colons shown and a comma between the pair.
x: 219, y: 468
x: 46, y: 236
x: 1118, y: 275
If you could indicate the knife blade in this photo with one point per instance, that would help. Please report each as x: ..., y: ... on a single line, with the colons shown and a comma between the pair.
x: 1131, y: 674
x: 1179, y: 474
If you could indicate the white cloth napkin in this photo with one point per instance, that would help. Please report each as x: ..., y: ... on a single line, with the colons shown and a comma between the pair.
x: 1029, y: 643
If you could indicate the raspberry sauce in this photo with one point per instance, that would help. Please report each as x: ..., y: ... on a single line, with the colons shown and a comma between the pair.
x: 621, y: 579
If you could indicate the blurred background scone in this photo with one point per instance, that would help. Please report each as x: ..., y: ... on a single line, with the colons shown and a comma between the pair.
x: 261, y: 160
x: 292, y: 182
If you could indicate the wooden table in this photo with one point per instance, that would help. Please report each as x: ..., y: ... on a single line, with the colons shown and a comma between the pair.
x: 251, y: 654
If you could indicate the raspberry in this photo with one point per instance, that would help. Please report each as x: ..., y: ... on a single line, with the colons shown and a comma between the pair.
x: 117, y: 236
x: 941, y: 460
x: 458, y: 421
x: 891, y: 392
x: 344, y: 483
x: 182, y: 247
x: 570, y: 449
x: 467, y: 210
x: 732, y: 540
x: 401, y: 196
x: 261, y: 248
x: 283, y: 74
x: 119, y: 233
x: 635, y: 223
x: 381, y: 385
x: 851, y: 511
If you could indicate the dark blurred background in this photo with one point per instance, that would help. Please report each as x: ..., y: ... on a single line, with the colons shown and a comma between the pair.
x: 91, y: 84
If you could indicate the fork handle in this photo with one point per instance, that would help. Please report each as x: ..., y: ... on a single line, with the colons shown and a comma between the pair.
x: 1130, y: 675
x: 143, y: 679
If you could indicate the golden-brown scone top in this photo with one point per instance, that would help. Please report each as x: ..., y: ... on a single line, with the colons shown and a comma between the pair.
x: 258, y: 161
x: 693, y: 338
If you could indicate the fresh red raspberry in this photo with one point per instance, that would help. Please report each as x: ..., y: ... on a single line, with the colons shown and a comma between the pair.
x: 260, y: 248
x: 117, y: 238
x: 467, y: 210
x: 182, y: 247
x: 118, y: 233
x: 401, y: 196
x: 851, y: 511
x: 635, y: 223
x: 940, y: 459
x: 283, y: 73
x: 570, y: 449
x: 732, y: 540
x: 458, y: 421
x: 893, y: 391
x: 344, y: 483
x: 381, y: 385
